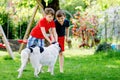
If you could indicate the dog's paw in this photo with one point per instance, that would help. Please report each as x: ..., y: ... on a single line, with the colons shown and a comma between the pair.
x: 52, y: 74
x: 48, y: 70
x: 19, y: 76
x: 18, y: 70
x: 36, y: 76
x: 61, y: 72
x: 42, y: 71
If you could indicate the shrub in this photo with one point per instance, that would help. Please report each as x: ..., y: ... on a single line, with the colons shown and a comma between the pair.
x: 7, y: 25
x: 22, y: 26
x: 103, y: 47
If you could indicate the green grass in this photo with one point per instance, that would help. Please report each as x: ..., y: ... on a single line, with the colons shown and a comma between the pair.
x: 80, y: 64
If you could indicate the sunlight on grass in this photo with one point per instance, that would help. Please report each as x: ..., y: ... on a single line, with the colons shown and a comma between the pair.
x: 2, y: 53
x: 117, y: 61
x: 75, y: 51
x: 5, y: 55
x: 112, y: 66
x: 78, y: 52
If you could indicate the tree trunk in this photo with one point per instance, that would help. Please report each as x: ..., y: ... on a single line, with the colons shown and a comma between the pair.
x: 106, y: 20
x: 105, y: 32
x: 54, y: 4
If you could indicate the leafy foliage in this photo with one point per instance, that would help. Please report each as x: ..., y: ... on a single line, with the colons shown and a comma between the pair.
x: 105, y: 4
x: 26, y: 3
x: 70, y: 5
x: 25, y: 8
x: 109, y: 23
x: 48, y: 1
x: 22, y: 26
x: 7, y: 24
x: 15, y: 18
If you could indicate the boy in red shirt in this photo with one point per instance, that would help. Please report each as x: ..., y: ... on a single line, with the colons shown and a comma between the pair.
x: 62, y: 25
x: 39, y: 32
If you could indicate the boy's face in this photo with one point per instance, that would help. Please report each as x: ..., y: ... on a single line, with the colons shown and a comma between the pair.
x: 49, y: 17
x: 61, y: 19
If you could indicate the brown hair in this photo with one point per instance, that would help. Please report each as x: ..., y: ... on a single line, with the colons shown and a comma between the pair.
x: 60, y: 13
x: 49, y: 11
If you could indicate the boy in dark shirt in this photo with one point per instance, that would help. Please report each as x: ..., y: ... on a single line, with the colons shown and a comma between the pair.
x: 62, y: 29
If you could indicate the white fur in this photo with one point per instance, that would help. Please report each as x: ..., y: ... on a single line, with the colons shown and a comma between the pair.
x: 47, y: 57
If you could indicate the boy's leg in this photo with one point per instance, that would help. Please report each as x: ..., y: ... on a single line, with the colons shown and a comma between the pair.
x: 41, y: 42
x: 61, y: 62
x: 61, y: 57
x: 31, y: 41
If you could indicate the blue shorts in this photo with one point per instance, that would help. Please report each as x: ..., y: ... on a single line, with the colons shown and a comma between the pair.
x: 35, y: 41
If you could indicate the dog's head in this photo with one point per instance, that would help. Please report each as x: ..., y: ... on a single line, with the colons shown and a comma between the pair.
x: 57, y: 45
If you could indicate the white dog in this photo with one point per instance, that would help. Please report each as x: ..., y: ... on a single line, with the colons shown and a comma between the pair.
x: 39, y: 56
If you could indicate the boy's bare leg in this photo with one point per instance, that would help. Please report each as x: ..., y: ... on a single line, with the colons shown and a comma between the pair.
x: 61, y: 61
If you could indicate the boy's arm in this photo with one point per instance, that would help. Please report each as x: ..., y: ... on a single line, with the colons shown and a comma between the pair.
x: 55, y: 36
x: 67, y: 33
x: 45, y: 35
x: 51, y: 35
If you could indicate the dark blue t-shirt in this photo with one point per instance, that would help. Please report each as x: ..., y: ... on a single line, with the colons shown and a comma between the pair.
x: 61, y: 28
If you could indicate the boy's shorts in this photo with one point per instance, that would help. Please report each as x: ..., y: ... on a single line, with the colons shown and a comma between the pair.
x: 35, y: 41
x: 61, y: 41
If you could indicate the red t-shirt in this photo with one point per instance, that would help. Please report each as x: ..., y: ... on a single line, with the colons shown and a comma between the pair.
x: 36, y: 31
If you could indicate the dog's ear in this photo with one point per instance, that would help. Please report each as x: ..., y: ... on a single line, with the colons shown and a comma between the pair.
x: 41, y: 49
x: 31, y: 50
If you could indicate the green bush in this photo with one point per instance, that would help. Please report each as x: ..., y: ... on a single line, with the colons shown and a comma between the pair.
x: 70, y: 5
x: 22, y: 26
x: 7, y: 25
x: 103, y: 47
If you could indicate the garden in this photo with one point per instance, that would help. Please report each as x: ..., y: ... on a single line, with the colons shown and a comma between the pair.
x: 93, y: 49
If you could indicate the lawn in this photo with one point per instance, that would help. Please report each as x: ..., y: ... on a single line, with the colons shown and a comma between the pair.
x: 80, y: 64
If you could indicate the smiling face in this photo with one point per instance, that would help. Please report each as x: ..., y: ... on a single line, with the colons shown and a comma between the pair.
x: 60, y: 16
x: 61, y: 19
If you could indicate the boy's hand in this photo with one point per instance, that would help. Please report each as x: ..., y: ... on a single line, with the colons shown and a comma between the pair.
x: 67, y: 39
x: 50, y: 42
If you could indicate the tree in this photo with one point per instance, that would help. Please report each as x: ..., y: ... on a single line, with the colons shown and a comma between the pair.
x: 51, y: 3
x: 72, y: 5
